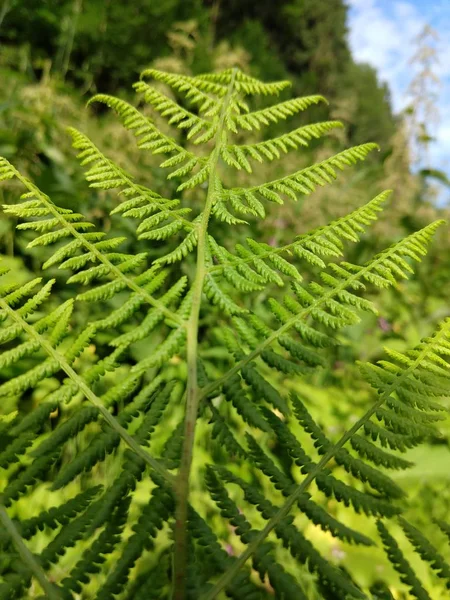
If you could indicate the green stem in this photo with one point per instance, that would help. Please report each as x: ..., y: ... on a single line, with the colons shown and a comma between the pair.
x: 193, y: 397
x: 27, y: 557
x: 292, y: 499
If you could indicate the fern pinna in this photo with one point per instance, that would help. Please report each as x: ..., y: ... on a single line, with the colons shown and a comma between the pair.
x: 106, y: 443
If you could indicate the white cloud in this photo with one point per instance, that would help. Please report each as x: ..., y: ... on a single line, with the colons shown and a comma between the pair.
x: 382, y: 33
x: 384, y: 39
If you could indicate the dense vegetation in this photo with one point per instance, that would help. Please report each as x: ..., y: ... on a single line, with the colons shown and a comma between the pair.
x: 141, y: 310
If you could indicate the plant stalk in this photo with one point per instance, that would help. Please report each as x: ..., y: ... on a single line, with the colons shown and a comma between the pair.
x: 192, y: 396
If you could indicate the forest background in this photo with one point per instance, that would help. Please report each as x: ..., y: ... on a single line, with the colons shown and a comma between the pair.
x: 55, y: 54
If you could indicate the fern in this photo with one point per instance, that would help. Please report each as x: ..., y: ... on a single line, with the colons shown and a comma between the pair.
x: 130, y: 439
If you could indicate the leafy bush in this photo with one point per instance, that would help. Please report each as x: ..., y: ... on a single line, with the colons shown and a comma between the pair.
x: 196, y: 320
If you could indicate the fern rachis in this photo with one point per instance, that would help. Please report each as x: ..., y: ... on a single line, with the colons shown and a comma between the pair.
x: 164, y: 309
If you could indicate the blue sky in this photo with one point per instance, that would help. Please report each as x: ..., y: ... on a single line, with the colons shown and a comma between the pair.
x: 381, y: 33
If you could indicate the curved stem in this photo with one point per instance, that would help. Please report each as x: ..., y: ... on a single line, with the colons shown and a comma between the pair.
x: 193, y: 396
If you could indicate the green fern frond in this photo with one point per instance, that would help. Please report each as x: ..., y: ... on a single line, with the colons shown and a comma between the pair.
x: 56, y: 362
x: 105, y: 443
x: 376, y: 455
x: 224, y: 436
x: 427, y: 551
x: 327, y: 305
x: 238, y: 155
x: 219, y: 297
x: 259, y: 264
x: 242, y: 586
x: 119, y: 386
x: 196, y: 89
x: 161, y: 218
x: 151, y: 519
x: 105, y: 174
x: 92, y: 559
x: 58, y: 515
x: 95, y: 248
x: 199, y: 129
x: 291, y: 537
x: 263, y: 389
x: 401, y: 565
x: 277, y: 112
x: 283, y: 583
x: 365, y: 473
x: 303, y: 182
x: 148, y: 136
x: 340, y: 491
x: 245, y: 83
x: 444, y: 527
x: 236, y: 395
